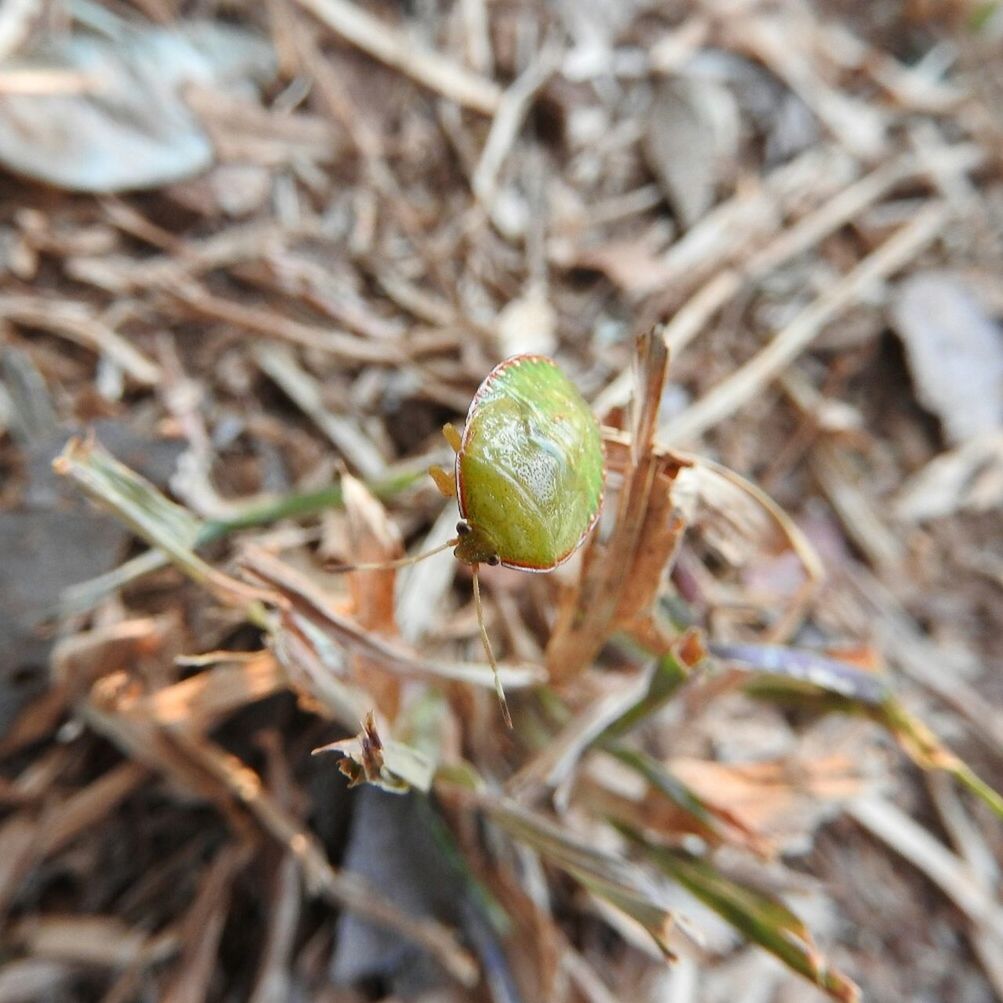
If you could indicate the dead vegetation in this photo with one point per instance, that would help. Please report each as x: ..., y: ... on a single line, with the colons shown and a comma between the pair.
x: 253, y: 256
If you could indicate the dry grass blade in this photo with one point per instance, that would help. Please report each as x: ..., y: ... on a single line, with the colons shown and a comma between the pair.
x: 281, y: 365
x: 668, y: 672
x: 909, y: 839
x: 512, y: 109
x: 313, y: 606
x: 203, y: 927
x: 28, y: 979
x: 78, y: 324
x: 930, y: 753
x: 587, y: 621
x: 261, y: 511
x: 15, y: 24
x: 26, y: 842
x: 557, y: 761
x: 271, y: 324
x: 391, y: 197
x: 863, y: 523
x: 845, y: 689
x: 158, y: 521
x: 848, y: 202
x: 321, y: 878
x: 806, y: 666
x: 274, y: 981
x: 737, y: 508
x: 670, y: 807
x: 100, y: 941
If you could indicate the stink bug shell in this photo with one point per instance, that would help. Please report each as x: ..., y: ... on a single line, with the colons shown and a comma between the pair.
x: 529, y: 468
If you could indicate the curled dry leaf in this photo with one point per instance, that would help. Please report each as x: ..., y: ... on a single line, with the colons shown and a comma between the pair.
x: 369, y: 759
x: 127, y: 127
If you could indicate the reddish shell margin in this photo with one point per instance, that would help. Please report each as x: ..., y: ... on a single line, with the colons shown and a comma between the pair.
x: 479, y: 395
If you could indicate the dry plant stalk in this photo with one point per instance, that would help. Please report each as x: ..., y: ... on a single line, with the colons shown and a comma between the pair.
x: 622, y: 575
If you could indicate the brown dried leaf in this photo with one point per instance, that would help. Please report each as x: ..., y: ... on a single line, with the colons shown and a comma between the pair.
x: 200, y: 702
x: 776, y: 796
x: 374, y: 539
x: 589, y: 615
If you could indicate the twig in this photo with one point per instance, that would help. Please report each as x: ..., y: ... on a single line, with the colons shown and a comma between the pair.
x: 78, y: 324
x: 389, y: 45
x: 507, y: 122
x: 745, y: 383
x: 271, y: 324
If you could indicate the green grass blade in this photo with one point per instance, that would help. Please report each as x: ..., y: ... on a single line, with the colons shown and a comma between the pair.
x: 632, y: 890
x: 922, y: 746
x: 668, y: 675
x: 760, y: 918
x: 154, y: 518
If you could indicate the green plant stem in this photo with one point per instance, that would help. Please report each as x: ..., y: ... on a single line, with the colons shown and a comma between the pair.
x: 297, y: 505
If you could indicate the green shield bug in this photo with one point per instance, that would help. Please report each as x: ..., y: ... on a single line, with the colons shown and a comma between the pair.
x: 529, y: 468
x: 529, y: 475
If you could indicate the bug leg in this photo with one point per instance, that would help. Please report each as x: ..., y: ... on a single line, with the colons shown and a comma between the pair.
x: 487, y: 647
x: 444, y: 481
x: 400, y: 562
x: 452, y: 436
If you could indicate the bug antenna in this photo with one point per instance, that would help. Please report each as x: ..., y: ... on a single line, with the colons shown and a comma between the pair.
x: 487, y: 647
x: 400, y: 562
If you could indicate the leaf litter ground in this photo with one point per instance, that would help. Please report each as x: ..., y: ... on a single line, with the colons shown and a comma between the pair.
x: 741, y: 719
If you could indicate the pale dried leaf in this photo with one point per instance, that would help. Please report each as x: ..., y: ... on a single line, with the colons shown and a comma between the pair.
x: 692, y: 136
x: 528, y: 324
x: 955, y: 353
x: 130, y: 128
x: 30, y: 979
x: 421, y: 594
x: 969, y: 478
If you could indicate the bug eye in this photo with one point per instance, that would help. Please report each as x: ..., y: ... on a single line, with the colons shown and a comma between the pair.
x: 462, y: 528
x: 494, y: 560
